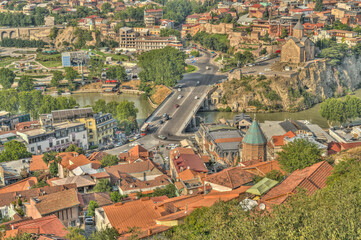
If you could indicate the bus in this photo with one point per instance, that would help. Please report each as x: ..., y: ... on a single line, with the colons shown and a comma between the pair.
x: 144, y: 129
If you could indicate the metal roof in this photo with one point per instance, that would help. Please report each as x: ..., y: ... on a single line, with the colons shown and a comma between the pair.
x: 262, y: 186
x: 254, y: 135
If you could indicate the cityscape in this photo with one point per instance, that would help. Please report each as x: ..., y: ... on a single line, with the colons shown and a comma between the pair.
x: 180, y: 119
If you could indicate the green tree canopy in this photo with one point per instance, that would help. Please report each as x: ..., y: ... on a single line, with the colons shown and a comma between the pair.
x: 109, y: 160
x: 75, y: 233
x: 117, y: 197
x: 298, y: 155
x: 318, y: 6
x: 91, y: 208
x: 6, y: 77
x: 75, y: 148
x: 70, y: 74
x: 162, y: 66
x: 57, y: 77
x: 116, y: 72
x: 105, y: 234
x: 26, y: 83
x: 341, y: 110
x: 102, y: 185
x: 14, y: 150
x: 166, y: 32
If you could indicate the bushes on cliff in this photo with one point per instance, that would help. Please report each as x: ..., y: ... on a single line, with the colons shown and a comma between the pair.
x: 217, y: 42
x: 22, y: 43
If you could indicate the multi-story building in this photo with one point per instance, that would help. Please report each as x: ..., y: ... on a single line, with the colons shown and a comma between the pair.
x: 100, y: 127
x: 152, y: 16
x: 8, y: 121
x: 148, y: 43
x: 55, y: 137
x: 127, y: 38
x: 71, y: 59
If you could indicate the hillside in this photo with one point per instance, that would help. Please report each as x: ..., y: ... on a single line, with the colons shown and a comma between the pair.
x: 331, y: 213
x: 310, y: 85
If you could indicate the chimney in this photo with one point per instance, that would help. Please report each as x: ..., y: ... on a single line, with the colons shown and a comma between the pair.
x: 149, y: 232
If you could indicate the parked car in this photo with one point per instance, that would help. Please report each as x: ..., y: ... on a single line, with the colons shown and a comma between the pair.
x: 198, y: 82
x: 179, y: 97
x: 160, y: 122
x: 179, y: 89
x: 176, y: 106
x: 196, y: 97
x: 162, y: 137
x: 118, y: 144
x: 89, y: 221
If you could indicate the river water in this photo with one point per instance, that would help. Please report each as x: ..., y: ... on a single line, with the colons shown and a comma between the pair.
x: 145, y: 109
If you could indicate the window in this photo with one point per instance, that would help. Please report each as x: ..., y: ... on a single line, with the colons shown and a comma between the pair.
x: 90, y: 123
x: 57, y: 142
x: 67, y: 140
x: 62, y: 141
x: 39, y: 147
x: 32, y: 149
x: 50, y: 144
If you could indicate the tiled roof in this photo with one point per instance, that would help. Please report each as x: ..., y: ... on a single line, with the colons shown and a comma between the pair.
x: 254, y: 135
x: 262, y: 168
x: 335, y: 147
x: 7, y: 198
x: 189, y: 161
x: 135, y: 184
x: 46, y: 225
x: 100, y: 175
x: 139, y: 213
x: 135, y: 153
x: 57, y: 201
x: 102, y: 198
x: 21, y: 185
x: 231, y: 177
x: 187, y: 174
x: 97, y: 156
x: 37, y: 163
x: 80, y: 181
x: 74, y: 162
x: 311, y: 178
x: 159, y: 199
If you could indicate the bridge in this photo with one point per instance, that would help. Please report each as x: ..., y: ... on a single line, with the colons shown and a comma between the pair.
x: 25, y: 32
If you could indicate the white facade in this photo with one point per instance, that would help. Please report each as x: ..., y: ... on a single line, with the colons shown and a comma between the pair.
x: 56, y: 138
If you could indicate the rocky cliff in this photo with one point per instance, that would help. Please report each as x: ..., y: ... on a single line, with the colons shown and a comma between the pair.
x: 308, y: 85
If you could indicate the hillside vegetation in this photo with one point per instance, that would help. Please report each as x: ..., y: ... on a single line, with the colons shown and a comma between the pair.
x: 331, y: 213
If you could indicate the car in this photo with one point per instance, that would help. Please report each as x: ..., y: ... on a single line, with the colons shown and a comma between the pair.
x: 198, y: 82
x: 89, y: 221
x: 160, y: 122
x: 179, y: 89
x: 196, y: 97
x: 162, y: 137
x: 208, y: 68
x: 176, y: 106
x: 179, y: 97
x: 118, y: 144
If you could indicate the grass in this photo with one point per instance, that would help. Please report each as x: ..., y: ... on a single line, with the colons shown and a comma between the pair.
x: 4, y: 61
x: 49, y: 61
x: 191, y: 68
x: 24, y: 52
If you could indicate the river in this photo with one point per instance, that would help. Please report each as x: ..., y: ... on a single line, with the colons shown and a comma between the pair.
x: 145, y: 109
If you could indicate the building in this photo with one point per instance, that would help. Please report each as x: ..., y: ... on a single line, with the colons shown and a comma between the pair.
x: 311, y: 179
x: 228, y: 179
x: 75, y: 59
x: 147, y: 43
x: 84, y: 183
x: 13, y: 171
x: 64, y: 204
x: 8, y: 121
x: 298, y: 48
x: 221, y: 142
x: 45, y: 226
x: 73, y: 164
x: 254, y: 144
x: 153, y: 16
x: 56, y: 137
x: 127, y: 38
x: 100, y: 127
x: 136, y: 154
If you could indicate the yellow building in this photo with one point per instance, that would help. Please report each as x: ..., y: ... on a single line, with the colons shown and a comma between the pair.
x: 101, y: 128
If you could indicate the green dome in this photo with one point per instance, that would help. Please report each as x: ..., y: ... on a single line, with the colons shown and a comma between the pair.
x: 254, y: 135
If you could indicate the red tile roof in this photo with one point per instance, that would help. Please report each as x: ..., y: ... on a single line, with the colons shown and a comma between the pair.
x: 21, y: 185
x: 263, y: 168
x: 46, y: 225
x: 311, y: 178
x: 37, y: 163
x: 189, y: 161
x: 231, y: 177
x: 135, y: 153
x: 335, y: 147
x: 256, y: 6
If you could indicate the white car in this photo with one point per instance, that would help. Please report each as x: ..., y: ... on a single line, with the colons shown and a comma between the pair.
x: 179, y: 89
x: 179, y: 97
x: 196, y: 97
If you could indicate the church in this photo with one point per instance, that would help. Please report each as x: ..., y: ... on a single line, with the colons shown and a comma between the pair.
x: 298, y: 48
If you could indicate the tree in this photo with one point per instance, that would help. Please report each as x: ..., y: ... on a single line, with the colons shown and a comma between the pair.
x: 166, y: 32
x: 162, y: 66
x: 195, y: 53
x: 102, y: 185
x: 298, y: 155
x: 53, y: 169
x: 106, y: 7
x: 284, y: 33
x: 14, y: 150
x: 117, y: 197
x: 70, y: 74
x: 97, y: 66
x: 50, y: 157
x: 75, y: 233
x: 26, y: 83
x: 266, y: 38
x: 91, y: 208
x: 109, y: 160
x: 105, y: 234
x: 6, y: 77
x: 53, y: 33
x: 318, y: 6
x: 116, y: 72
x: 74, y: 148
x: 341, y: 111
x: 57, y: 77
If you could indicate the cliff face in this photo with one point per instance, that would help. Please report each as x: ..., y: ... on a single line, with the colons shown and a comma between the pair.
x: 311, y: 84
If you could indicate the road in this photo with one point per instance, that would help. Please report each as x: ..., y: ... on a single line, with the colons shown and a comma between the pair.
x: 172, y: 128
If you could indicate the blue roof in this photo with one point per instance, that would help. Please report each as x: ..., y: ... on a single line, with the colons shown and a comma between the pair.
x: 254, y: 135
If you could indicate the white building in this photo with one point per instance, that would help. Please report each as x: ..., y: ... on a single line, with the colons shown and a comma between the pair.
x: 56, y: 137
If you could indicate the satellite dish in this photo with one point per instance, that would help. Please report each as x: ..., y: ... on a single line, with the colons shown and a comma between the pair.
x: 262, y: 206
